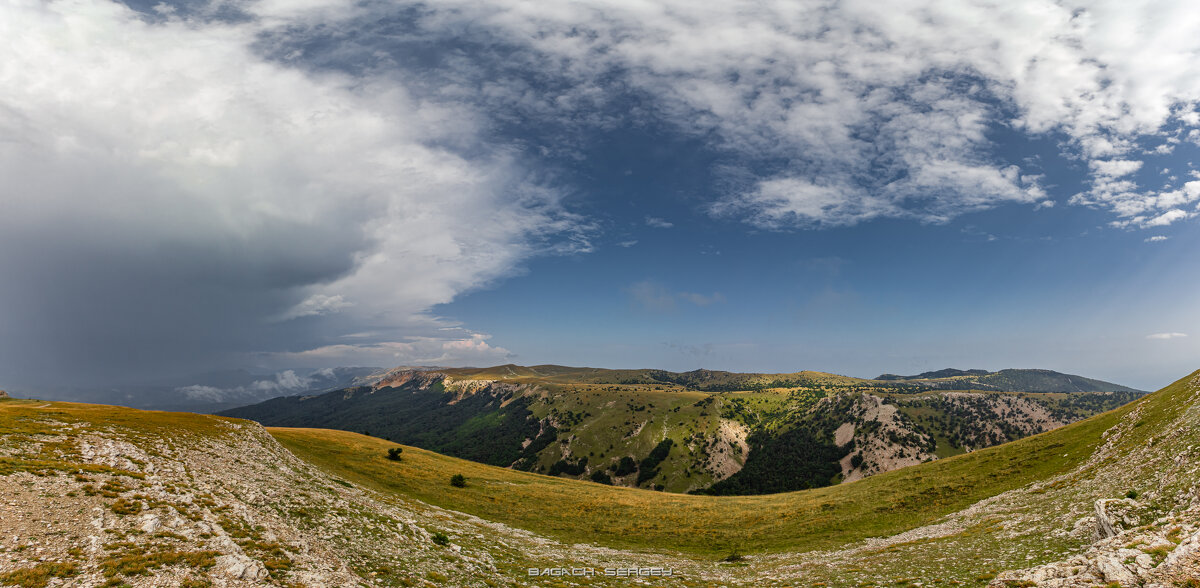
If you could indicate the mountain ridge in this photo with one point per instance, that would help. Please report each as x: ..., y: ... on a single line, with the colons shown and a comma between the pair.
x: 713, y: 431
x: 1011, y: 379
x: 184, y: 499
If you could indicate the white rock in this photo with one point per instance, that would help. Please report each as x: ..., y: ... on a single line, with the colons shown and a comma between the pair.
x: 240, y: 567
x: 1116, y: 514
x: 1185, y: 549
x: 150, y: 523
x: 1113, y: 571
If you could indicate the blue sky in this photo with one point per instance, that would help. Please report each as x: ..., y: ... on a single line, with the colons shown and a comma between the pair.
x: 752, y: 186
x: 1011, y: 286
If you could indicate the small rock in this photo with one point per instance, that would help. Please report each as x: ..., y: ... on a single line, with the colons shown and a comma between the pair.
x: 240, y: 567
x: 150, y: 523
x: 1113, y: 571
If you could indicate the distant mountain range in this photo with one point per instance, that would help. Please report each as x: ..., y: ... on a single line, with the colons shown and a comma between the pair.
x: 699, y: 431
x: 1026, y: 380
x: 193, y: 500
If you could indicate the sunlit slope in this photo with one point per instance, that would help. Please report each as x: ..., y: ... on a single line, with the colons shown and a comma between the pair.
x: 692, y: 432
x: 703, y: 380
x: 328, y: 508
x: 824, y: 518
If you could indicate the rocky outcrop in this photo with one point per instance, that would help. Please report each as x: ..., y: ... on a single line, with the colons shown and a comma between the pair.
x: 728, y: 453
x: 401, y: 377
x: 883, y: 439
x: 1114, y: 515
x: 1153, y: 556
x: 240, y: 567
x: 228, y: 506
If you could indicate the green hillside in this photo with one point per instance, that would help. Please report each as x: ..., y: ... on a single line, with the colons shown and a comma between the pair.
x: 709, y: 526
x: 223, y: 493
x: 1061, y: 471
x: 700, y: 432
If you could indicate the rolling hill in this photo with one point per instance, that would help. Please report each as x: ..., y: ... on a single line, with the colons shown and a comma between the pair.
x: 99, y: 494
x: 702, y: 431
x: 1010, y: 380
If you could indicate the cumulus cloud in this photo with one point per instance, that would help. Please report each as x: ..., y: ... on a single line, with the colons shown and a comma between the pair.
x: 848, y: 111
x: 316, y: 305
x: 281, y: 384
x: 472, y: 349
x: 1166, y: 336
x: 1155, y: 239
x: 175, y: 180
x: 286, y: 382
x: 169, y: 191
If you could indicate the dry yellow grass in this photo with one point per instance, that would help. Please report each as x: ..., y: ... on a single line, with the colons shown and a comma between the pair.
x: 578, y: 511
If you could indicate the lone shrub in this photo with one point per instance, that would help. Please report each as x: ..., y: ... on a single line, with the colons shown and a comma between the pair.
x: 458, y: 481
x: 1131, y: 494
x: 394, y: 453
x: 440, y: 538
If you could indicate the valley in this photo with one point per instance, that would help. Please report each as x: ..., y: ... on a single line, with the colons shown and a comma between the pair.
x: 99, y: 495
x: 697, y: 432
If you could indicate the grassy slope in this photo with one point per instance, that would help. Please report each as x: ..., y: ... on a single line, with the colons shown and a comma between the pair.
x: 824, y: 518
x: 605, y: 415
x: 1156, y: 448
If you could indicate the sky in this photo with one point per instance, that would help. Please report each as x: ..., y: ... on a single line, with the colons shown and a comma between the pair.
x: 851, y: 187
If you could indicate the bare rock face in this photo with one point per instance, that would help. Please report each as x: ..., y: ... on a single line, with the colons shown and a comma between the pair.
x: 1114, y: 515
x: 1112, y: 569
x: 240, y: 567
x: 151, y: 523
x: 1187, y: 550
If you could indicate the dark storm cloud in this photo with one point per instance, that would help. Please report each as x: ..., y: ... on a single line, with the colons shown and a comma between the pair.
x: 83, y: 304
x: 199, y: 183
x: 172, y: 201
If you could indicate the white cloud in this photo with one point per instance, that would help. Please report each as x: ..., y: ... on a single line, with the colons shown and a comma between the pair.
x: 470, y: 350
x: 658, y: 223
x: 173, y: 145
x: 206, y: 393
x: 1115, y: 168
x: 1166, y: 336
x: 316, y: 305
x: 1155, y: 239
x: 870, y: 109
x: 281, y: 384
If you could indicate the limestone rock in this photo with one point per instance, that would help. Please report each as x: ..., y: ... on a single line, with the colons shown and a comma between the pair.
x: 150, y: 523
x: 1113, y: 570
x: 240, y: 567
x: 1114, y: 515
